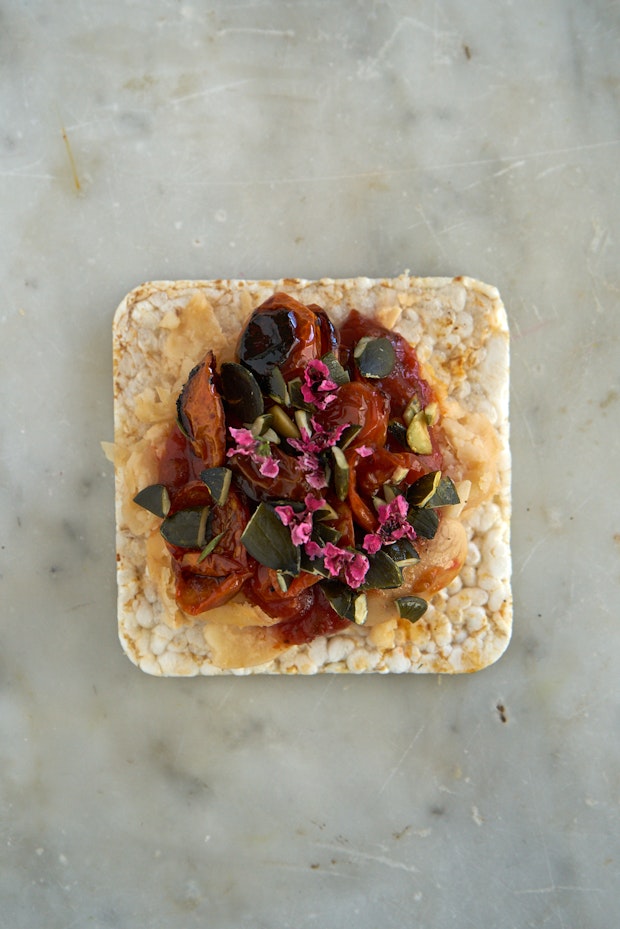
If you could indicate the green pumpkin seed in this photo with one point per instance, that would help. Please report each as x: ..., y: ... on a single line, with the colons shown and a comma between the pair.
x: 154, y: 498
x: 269, y: 541
x: 411, y: 608
x: 186, y: 528
x: 375, y: 357
x: 418, y: 436
x: 218, y: 481
x: 241, y: 393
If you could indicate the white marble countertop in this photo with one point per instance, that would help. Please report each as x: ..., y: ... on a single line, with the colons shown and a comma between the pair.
x: 262, y: 139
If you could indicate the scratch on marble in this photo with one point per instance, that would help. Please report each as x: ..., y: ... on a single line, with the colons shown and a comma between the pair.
x: 401, y: 760
x: 541, y: 836
x: 329, y: 871
x: 431, y: 231
x: 208, y: 92
x: 356, y: 854
x: 22, y: 172
x: 370, y: 68
x: 528, y: 156
x: 510, y: 167
x: 323, y: 695
x: 555, y: 888
x: 254, y: 30
x: 371, y: 174
x: 226, y: 697
x: 550, y: 170
x: 526, y: 423
x: 531, y: 330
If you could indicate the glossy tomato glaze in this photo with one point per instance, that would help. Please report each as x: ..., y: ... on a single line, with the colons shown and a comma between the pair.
x: 303, y: 611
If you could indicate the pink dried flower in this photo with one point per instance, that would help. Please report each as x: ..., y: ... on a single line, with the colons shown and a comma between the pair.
x: 313, y: 550
x: 317, y: 384
x: 311, y: 445
x: 259, y: 452
x: 300, y: 523
x: 372, y: 542
x: 269, y: 466
x: 327, y: 437
x: 246, y: 442
x: 354, y: 565
x: 393, y: 525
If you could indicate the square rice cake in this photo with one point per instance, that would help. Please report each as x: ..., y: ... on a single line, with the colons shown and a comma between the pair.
x: 458, y: 328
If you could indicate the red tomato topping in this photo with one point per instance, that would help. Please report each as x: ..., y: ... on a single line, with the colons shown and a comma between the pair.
x: 406, y: 379
x: 284, y: 334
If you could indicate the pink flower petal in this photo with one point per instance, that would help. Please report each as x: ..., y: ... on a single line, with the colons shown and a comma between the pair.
x: 313, y: 550
x: 317, y: 384
x: 244, y: 439
x: 372, y: 543
x: 355, y: 571
x: 269, y: 467
x: 286, y: 514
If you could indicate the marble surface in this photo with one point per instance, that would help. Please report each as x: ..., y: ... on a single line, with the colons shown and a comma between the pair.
x: 144, y: 140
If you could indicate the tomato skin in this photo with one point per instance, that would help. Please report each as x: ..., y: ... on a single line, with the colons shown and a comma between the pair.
x: 318, y: 619
x: 178, y: 464
x: 263, y: 590
x: 343, y: 523
x: 358, y: 403
x: 376, y: 470
x: 281, y: 333
x: 330, y: 339
x: 202, y: 584
x: 201, y: 414
x: 406, y: 379
x: 290, y: 483
x: 197, y: 594
x: 363, y: 514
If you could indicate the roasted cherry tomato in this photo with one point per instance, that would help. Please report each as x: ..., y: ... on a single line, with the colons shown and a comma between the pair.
x: 359, y: 404
x: 179, y: 465
x: 379, y: 468
x: 263, y: 590
x: 289, y: 484
x: 318, y: 619
x: 203, y: 583
x: 343, y: 523
x: 363, y: 514
x: 406, y: 379
x: 281, y: 333
x: 201, y: 414
x: 196, y: 594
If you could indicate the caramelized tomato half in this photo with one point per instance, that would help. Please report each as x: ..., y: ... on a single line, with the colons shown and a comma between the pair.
x: 359, y: 403
x: 204, y: 583
x: 281, y: 333
x: 201, y: 414
x: 406, y: 379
